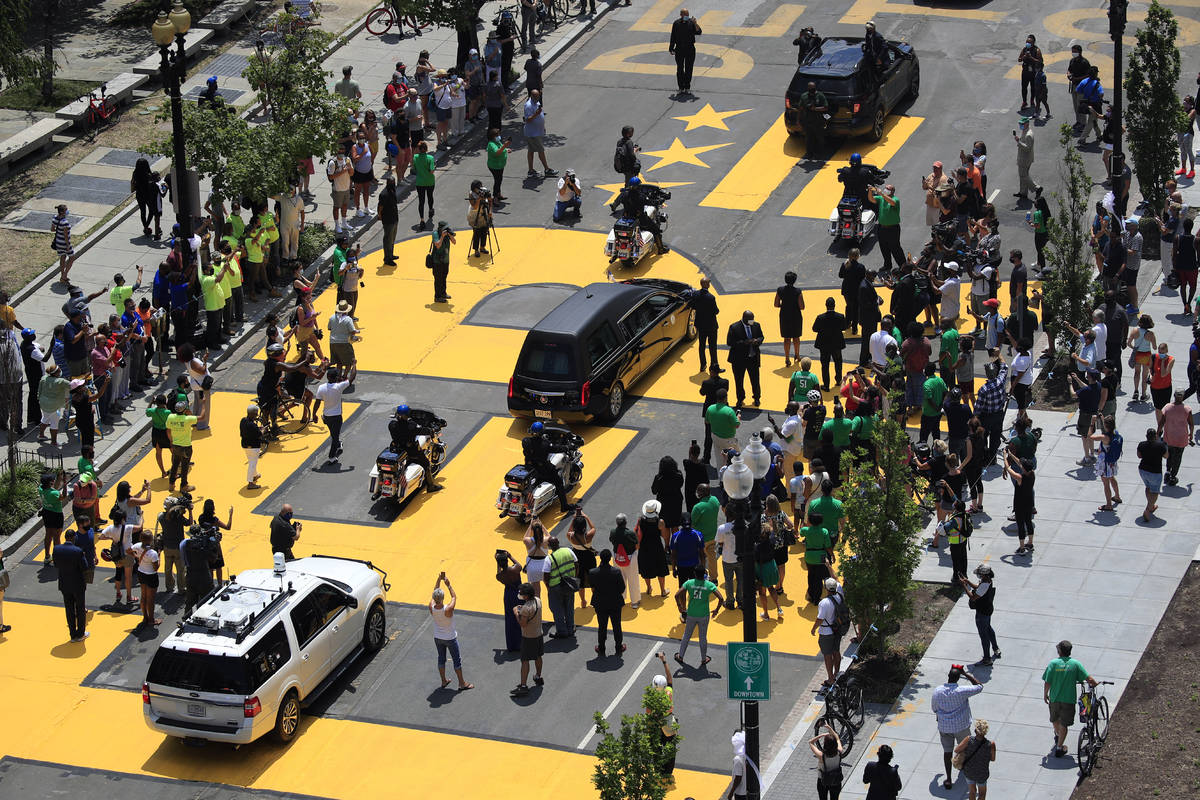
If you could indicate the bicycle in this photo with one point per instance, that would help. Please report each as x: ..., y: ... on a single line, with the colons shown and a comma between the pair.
x: 509, y: 15
x: 1093, y: 713
x: 845, y: 710
x: 102, y: 110
x: 381, y: 20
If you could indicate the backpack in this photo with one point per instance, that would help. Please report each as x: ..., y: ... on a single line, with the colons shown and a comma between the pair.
x: 966, y: 526
x: 764, y: 551
x: 618, y: 159
x: 841, y: 616
x: 1112, y: 453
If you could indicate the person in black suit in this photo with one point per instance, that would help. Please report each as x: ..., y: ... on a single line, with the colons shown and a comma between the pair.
x: 608, y: 596
x: 713, y: 387
x: 868, y: 315
x: 683, y: 46
x: 744, y: 340
x: 830, y: 328
x: 72, y: 566
x: 705, y: 306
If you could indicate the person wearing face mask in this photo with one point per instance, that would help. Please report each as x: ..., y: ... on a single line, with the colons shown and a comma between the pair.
x: 284, y: 532
x: 888, y: 231
x: 1031, y: 61
x: 497, y: 157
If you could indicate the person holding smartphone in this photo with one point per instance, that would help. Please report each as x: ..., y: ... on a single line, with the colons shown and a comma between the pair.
x: 497, y: 158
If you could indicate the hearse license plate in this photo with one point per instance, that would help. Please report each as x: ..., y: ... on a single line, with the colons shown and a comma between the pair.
x: 542, y: 413
x: 196, y: 709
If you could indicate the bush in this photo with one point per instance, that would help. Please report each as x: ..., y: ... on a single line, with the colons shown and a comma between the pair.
x: 314, y: 240
x: 27, y: 95
x: 19, y: 501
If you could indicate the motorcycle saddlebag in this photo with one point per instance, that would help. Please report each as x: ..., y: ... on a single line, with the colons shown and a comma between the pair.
x: 516, y: 476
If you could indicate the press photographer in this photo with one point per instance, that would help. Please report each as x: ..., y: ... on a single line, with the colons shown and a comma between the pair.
x: 479, y: 217
x: 173, y: 522
x: 569, y: 197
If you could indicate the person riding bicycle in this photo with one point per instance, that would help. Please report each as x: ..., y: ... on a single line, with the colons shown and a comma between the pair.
x: 633, y: 200
x: 537, y: 449
x: 404, y: 431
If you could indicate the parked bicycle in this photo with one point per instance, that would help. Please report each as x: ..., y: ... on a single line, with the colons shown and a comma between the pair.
x: 102, y: 110
x: 381, y: 20
x: 1093, y: 714
x: 845, y: 710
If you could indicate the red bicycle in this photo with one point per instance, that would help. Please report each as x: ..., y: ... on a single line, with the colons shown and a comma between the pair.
x: 102, y: 110
x: 381, y: 20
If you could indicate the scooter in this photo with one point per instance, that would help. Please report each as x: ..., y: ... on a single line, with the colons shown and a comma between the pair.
x: 853, y: 220
x: 393, y: 477
x: 523, y: 496
x: 626, y: 241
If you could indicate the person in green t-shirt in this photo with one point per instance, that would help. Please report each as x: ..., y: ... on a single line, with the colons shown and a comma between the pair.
x: 214, y: 302
x: 888, y: 231
x: 803, y: 381
x: 179, y: 427
x: 839, y: 425
x: 817, y: 548
x: 724, y: 421
x: 698, y: 594
x: 158, y: 413
x: 948, y: 356
x: 829, y: 509
x: 423, y: 165
x: 704, y: 519
x: 497, y: 157
x: 1058, y: 691
x: 51, y: 492
x: 931, y: 404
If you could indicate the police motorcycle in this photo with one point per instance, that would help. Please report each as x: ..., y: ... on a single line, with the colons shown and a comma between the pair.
x: 854, y: 218
x: 397, y: 477
x: 628, y: 241
x: 526, y: 493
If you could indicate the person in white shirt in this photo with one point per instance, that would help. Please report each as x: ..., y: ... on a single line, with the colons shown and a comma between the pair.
x: 1100, y: 329
x: 951, y: 295
x: 731, y: 568
x: 981, y: 287
x: 330, y: 393
x: 803, y: 487
x: 738, y: 787
x: 146, y: 558
x: 828, y: 640
x: 458, y: 106
x: 445, y: 633
x: 1023, y: 373
x: 568, y: 197
x: 791, y: 435
x: 879, y: 342
x: 338, y: 170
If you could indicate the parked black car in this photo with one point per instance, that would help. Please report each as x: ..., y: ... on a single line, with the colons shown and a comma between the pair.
x: 579, y: 362
x: 858, y: 102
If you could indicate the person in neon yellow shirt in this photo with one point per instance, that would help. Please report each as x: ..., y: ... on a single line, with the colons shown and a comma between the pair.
x: 266, y: 221
x: 253, y: 276
x: 120, y: 292
x: 214, y: 301
x: 233, y: 260
x: 226, y: 287
x: 179, y: 428
x: 235, y: 226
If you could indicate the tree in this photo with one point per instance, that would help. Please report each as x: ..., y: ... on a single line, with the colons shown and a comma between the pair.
x: 628, y: 763
x: 457, y: 14
x: 1069, y: 288
x: 16, y: 63
x: 251, y: 161
x: 883, y: 528
x: 1154, y: 114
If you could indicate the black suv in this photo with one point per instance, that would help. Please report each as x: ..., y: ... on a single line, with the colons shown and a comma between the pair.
x: 858, y: 103
x: 581, y: 359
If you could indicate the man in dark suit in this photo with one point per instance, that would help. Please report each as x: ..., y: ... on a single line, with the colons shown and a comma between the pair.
x: 868, y: 315
x: 71, y: 565
x: 705, y: 306
x: 830, y: 329
x: 683, y: 46
x: 714, y: 386
x: 608, y: 596
x: 744, y: 340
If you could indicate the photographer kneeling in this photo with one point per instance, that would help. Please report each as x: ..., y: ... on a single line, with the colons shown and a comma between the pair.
x: 568, y: 197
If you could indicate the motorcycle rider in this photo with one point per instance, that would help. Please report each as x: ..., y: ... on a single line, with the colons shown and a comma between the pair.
x: 404, y: 432
x: 633, y: 200
x: 537, y: 450
x: 857, y: 179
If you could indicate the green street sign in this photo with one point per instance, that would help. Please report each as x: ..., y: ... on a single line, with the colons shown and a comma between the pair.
x: 749, y: 670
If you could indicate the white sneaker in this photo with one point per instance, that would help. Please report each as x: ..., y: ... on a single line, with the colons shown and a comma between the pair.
x: 360, y: 213
x: 337, y: 227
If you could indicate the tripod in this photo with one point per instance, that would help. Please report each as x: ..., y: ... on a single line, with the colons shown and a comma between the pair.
x: 493, y: 240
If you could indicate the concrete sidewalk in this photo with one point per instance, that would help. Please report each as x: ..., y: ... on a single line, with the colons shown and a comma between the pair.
x: 1100, y: 579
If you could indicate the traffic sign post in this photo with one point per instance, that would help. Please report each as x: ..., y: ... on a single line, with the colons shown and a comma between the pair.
x: 749, y: 670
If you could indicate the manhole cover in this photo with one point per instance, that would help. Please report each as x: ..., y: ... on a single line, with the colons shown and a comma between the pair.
x: 970, y: 125
x: 986, y: 57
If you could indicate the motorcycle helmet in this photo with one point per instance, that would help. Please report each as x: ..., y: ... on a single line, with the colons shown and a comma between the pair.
x: 29, y: 333
x: 855, y: 160
x: 402, y: 410
x: 660, y: 682
x: 814, y: 396
x: 635, y: 181
x: 536, y: 427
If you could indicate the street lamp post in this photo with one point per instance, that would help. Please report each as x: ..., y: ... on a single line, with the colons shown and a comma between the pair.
x: 742, y: 481
x: 1116, y: 29
x: 170, y: 28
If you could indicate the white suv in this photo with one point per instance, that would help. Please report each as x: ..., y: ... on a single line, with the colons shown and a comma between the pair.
x: 258, y: 647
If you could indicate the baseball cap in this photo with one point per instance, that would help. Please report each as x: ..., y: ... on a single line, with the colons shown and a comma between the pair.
x: 75, y: 384
x: 831, y: 585
x: 937, y: 165
x: 992, y: 303
x: 1023, y: 120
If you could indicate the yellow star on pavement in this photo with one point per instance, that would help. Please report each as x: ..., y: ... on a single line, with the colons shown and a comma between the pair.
x: 679, y: 153
x: 616, y: 188
x: 709, y: 117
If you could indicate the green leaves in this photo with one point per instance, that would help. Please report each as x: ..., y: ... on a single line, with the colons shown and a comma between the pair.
x: 883, y: 528
x: 628, y: 763
x: 16, y: 63
x: 1154, y: 115
x: 1069, y: 288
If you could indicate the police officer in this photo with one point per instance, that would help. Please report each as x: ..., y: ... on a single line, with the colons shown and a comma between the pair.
x: 633, y: 199
x: 537, y: 460
x: 404, y: 432
x: 199, y: 559
x: 856, y: 177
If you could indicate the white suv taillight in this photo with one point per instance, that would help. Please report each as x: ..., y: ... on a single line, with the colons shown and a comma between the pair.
x: 251, y: 708
x: 146, y: 693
